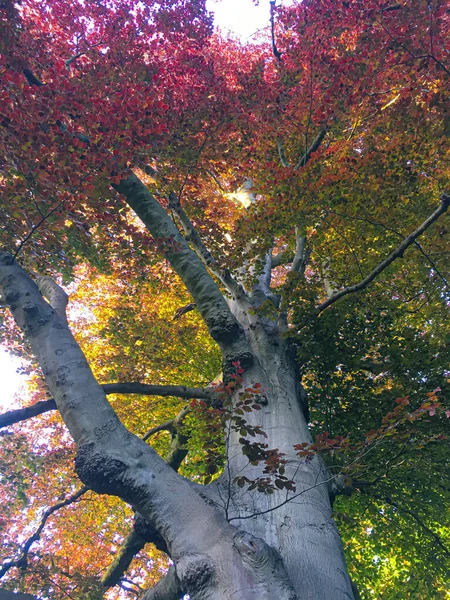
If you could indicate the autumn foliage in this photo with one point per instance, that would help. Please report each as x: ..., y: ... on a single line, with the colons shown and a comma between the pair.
x: 331, y: 127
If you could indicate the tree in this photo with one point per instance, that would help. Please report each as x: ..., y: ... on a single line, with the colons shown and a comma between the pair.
x: 288, y: 186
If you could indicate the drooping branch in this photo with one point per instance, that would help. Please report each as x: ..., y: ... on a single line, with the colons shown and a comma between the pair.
x: 168, y: 588
x: 22, y: 561
x: 202, y: 252
x: 397, y: 253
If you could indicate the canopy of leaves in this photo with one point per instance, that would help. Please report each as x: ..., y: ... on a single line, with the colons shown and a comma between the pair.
x: 344, y: 140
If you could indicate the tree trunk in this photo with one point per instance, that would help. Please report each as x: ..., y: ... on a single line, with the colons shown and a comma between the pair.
x: 226, y: 542
x: 299, y: 525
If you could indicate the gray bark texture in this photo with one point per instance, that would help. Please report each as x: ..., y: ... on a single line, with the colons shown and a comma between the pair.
x: 225, y: 542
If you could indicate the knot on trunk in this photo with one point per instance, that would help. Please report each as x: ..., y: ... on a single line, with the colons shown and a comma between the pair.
x: 245, y: 360
x: 223, y: 328
x: 266, y: 565
x: 104, y: 474
x: 195, y: 572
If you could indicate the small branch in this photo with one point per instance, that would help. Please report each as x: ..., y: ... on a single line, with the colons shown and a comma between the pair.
x: 31, y: 78
x: 202, y: 252
x: 168, y: 588
x: 22, y: 414
x: 284, y: 161
x: 378, y: 224
x: 313, y: 148
x: 22, y: 562
x: 282, y: 258
x: 168, y: 425
x: 132, y: 544
x: 72, y: 59
x: 397, y: 253
x: 35, y: 227
x: 183, y: 310
x: 178, y: 391
x: 275, y: 50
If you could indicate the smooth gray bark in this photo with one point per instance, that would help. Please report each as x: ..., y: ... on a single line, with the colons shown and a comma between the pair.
x: 213, y: 559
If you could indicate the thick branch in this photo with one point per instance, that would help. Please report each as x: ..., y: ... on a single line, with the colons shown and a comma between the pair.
x: 142, y: 533
x: 297, y: 263
x: 168, y: 588
x: 178, y: 391
x: 397, y: 253
x: 132, y: 544
x: 222, y: 325
x: 22, y: 414
x: 282, y: 258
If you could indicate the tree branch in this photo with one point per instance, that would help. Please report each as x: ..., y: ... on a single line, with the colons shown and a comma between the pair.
x: 144, y: 389
x: 142, y: 532
x: 22, y: 562
x: 202, y: 252
x: 110, y: 459
x: 298, y: 261
x: 179, y: 391
x: 313, y: 148
x: 397, y: 253
x: 22, y: 414
x: 168, y: 588
x: 418, y: 520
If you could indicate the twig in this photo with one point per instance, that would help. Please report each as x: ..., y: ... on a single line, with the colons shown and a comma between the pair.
x: 22, y: 562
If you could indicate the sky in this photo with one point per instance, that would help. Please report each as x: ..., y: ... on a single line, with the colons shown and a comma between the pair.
x: 244, y: 19
x: 241, y: 16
